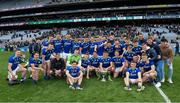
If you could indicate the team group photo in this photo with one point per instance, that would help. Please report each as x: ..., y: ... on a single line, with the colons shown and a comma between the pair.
x: 89, y: 51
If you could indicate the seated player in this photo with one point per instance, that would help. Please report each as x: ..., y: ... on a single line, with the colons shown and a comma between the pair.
x: 74, y: 76
x: 47, y: 54
x: 35, y: 67
x: 14, y: 66
x: 95, y: 62
x: 106, y: 67
x: 58, y: 66
x: 119, y: 64
x: 85, y: 63
x: 148, y: 69
x: 133, y: 75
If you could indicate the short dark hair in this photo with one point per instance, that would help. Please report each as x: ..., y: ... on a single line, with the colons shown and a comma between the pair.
x: 74, y: 62
x: 164, y: 40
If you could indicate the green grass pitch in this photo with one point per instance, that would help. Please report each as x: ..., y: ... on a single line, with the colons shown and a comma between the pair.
x: 56, y: 90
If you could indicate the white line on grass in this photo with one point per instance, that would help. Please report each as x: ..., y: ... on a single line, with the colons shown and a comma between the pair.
x: 163, y: 94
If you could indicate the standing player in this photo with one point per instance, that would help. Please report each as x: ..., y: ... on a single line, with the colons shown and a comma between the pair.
x: 110, y: 49
x: 67, y: 45
x: 58, y: 45
x: 14, y: 66
x: 76, y: 45
x: 119, y: 64
x: 74, y: 76
x: 100, y: 47
x: 128, y: 55
x: 133, y: 75
x: 106, y: 66
x: 35, y: 65
x: 85, y: 46
x: 47, y: 54
x: 136, y: 48
x: 92, y: 46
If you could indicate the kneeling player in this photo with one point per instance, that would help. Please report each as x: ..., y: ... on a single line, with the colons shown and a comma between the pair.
x: 149, y: 73
x: 57, y: 66
x: 74, y: 76
x: 35, y: 66
x: 14, y: 66
x: 95, y: 62
x: 47, y: 54
x: 85, y: 63
x: 133, y: 75
x: 106, y: 67
x: 119, y: 64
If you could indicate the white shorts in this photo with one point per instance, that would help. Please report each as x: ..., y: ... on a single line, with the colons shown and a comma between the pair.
x: 117, y: 69
x: 14, y: 73
x: 65, y: 55
x: 133, y: 81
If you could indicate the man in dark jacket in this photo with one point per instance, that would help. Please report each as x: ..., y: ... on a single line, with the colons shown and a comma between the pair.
x: 57, y: 66
x: 32, y: 48
x: 158, y: 60
x: 38, y: 46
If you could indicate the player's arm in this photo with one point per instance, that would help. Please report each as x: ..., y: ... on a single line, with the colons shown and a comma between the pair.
x: 127, y: 75
x: 33, y: 67
x: 101, y: 68
x: 40, y: 67
x: 111, y: 65
x: 122, y: 67
x: 81, y: 74
x: 68, y: 74
x: 139, y: 77
x: 152, y: 69
x: 95, y: 48
x: 10, y: 70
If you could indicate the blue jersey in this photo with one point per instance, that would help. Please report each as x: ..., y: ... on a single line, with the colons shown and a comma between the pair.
x: 92, y: 46
x: 137, y: 50
x: 110, y: 50
x: 85, y: 63
x: 45, y: 43
x: 67, y: 46
x: 100, y: 48
x: 85, y: 47
x: 58, y: 46
x: 119, y: 48
x: 146, y: 66
x: 47, y: 53
x: 118, y: 61
x: 76, y: 45
x: 129, y: 56
x: 95, y: 62
x: 133, y: 73
x: 74, y: 72
x: 15, y: 61
x: 106, y: 62
x: 35, y: 62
